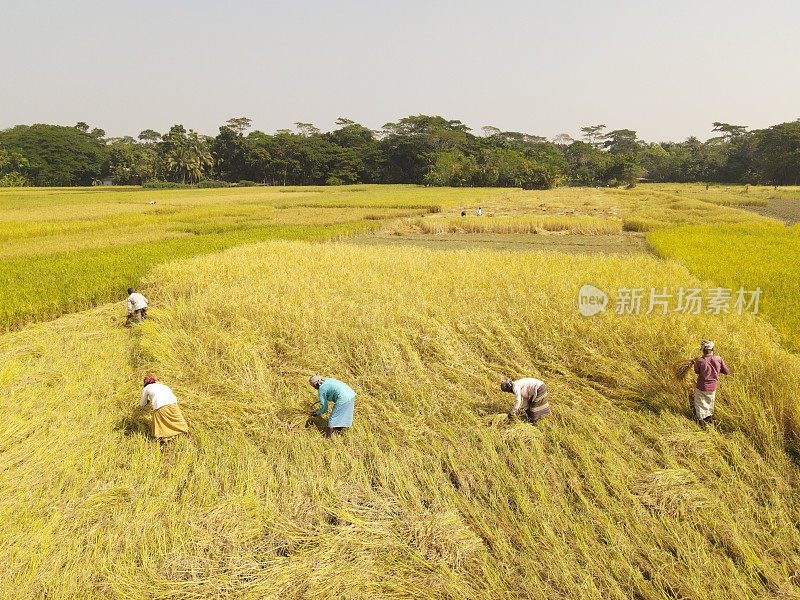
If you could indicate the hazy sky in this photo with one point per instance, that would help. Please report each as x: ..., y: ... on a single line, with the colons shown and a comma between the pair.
x: 664, y: 68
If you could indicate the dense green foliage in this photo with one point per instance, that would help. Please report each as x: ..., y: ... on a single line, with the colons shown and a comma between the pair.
x: 51, y: 155
x: 417, y: 149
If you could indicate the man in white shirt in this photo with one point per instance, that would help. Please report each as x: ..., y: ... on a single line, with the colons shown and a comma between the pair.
x: 168, y: 419
x: 137, y: 307
x: 531, y: 397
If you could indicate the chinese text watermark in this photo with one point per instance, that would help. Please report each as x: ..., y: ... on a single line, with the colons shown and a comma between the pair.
x: 688, y: 301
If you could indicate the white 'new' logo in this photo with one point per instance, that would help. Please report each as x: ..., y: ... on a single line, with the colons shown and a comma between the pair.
x: 591, y: 300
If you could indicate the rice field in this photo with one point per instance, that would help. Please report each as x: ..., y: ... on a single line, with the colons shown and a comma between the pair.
x: 433, y: 493
x: 750, y: 256
x: 65, y: 250
x: 45, y: 286
x: 730, y: 195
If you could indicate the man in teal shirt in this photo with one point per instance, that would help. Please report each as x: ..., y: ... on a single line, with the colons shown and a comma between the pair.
x: 341, y: 395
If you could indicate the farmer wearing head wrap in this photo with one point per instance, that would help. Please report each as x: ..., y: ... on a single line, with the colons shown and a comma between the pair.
x: 168, y: 419
x: 708, y: 368
x: 531, y: 397
x: 137, y: 306
x: 341, y: 396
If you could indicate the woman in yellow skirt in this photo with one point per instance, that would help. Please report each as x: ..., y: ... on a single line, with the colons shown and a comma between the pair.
x: 168, y: 419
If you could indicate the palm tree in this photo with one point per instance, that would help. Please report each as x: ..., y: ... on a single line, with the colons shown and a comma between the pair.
x: 200, y: 156
x: 188, y: 156
x: 177, y: 159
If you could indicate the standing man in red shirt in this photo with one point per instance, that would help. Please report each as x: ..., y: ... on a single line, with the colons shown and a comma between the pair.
x: 708, y: 367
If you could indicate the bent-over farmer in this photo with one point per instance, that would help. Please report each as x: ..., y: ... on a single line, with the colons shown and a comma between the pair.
x: 708, y: 368
x: 531, y: 397
x: 341, y: 396
x: 168, y: 419
x: 137, y: 306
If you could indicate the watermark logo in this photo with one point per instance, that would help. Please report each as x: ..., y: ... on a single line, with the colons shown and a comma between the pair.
x: 687, y: 301
x: 591, y: 300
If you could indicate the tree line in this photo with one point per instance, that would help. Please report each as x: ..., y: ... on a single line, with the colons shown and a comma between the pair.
x: 417, y: 149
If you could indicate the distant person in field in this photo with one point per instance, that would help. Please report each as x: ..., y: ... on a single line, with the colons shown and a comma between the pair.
x: 531, y: 398
x: 137, y: 307
x: 333, y: 391
x: 479, y: 212
x: 168, y: 420
x: 708, y: 368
